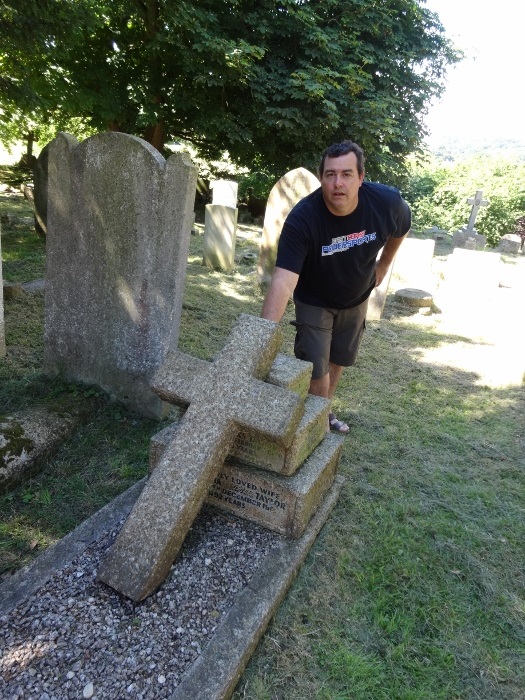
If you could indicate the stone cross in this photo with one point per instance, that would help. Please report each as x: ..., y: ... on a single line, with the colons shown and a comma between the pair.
x: 476, y: 202
x: 224, y: 396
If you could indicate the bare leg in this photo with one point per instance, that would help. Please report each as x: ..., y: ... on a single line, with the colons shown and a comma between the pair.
x: 326, y: 387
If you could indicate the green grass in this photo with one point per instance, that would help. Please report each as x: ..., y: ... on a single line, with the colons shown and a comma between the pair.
x: 415, y: 588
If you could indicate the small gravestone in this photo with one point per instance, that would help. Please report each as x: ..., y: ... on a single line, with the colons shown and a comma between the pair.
x: 40, y: 182
x: 2, y: 326
x: 285, y: 194
x: 222, y: 397
x: 509, y: 243
x: 220, y: 226
x: 416, y: 298
x: 118, y: 229
x: 220, y: 234
x: 224, y: 192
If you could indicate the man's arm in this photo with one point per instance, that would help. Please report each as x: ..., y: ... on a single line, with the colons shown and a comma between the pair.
x: 389, y: 251
x: 279, y: 292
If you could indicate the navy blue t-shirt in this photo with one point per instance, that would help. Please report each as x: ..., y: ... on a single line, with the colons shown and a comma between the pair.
x: 335, y: 256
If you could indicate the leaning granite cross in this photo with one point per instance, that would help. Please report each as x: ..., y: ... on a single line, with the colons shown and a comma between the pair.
x: 223, y: 396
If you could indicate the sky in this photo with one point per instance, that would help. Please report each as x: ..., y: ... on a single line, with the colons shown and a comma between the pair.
x: 485, y: 93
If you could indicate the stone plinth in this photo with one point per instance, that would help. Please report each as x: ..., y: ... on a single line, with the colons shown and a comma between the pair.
x: 469, y: 239
x: 220, y: 232
x: 284, y: 504
x: 250, y: 449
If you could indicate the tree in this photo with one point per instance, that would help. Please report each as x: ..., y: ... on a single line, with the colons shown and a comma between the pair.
x: 264, y: 80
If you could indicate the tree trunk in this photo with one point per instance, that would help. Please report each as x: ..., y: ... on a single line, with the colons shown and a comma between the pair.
x: 155, y: 135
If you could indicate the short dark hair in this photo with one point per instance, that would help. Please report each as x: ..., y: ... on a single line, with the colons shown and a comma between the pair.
x: 341, y: 149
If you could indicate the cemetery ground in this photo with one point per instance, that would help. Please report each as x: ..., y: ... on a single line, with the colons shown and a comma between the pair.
x: 415, y: 588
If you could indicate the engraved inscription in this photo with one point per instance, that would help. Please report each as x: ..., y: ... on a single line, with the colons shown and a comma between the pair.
x: 241, y: 492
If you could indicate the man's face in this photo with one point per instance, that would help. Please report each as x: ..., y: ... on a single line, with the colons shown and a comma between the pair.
x: 340, y: 183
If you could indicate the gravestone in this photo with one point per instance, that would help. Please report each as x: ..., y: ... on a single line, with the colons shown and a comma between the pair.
x: 40, y: 182
x: 220, y: 233
x: 284, y: 195
x: 468, y: 237
x: 509, y: 243
x: 2, y: 326
x: 119, y: 221
x: 220, y: 226
x: 224, y: 192
x: 223, y: 397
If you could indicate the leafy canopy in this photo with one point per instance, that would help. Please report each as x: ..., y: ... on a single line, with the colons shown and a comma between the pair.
x: 266, y: 80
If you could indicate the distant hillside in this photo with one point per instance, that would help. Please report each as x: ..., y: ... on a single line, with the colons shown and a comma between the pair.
x: 453, y: 150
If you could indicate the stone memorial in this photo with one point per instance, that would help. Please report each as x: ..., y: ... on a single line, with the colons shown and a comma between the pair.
x: 220, y: 226
x: 118, y: 227
x: 284, y: 195
x: 274, y: 485
x: 510, y: 243
x: 223, y: 397
x: 2, y: 325
x: 220, y: 234
x: 224, y: 193
x: 468, y: 237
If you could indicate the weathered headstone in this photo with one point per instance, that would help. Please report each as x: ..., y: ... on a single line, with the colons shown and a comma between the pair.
x: 285, y: 194
x: 220, y: 233
x: 2, y: 325
x: 220, y: 226
x: 468, y: 237
x: 119, y: 221
x: 40, y: 181
x: 509, y: 243
x: 223, y: 396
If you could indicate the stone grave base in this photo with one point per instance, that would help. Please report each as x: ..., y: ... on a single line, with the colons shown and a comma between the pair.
x: 62, y: 581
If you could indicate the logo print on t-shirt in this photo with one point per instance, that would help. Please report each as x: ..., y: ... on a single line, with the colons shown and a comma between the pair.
x: 338, y: 245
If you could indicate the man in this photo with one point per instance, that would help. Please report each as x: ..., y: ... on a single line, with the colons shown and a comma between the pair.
x: 327, y: 258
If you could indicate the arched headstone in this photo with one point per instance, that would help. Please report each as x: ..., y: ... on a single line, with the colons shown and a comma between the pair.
x: 118, y: 228
x: 285, y: 194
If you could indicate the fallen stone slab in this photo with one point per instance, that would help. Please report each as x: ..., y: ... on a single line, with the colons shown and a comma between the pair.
x: 417, y: 298
x: 28, y: 438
